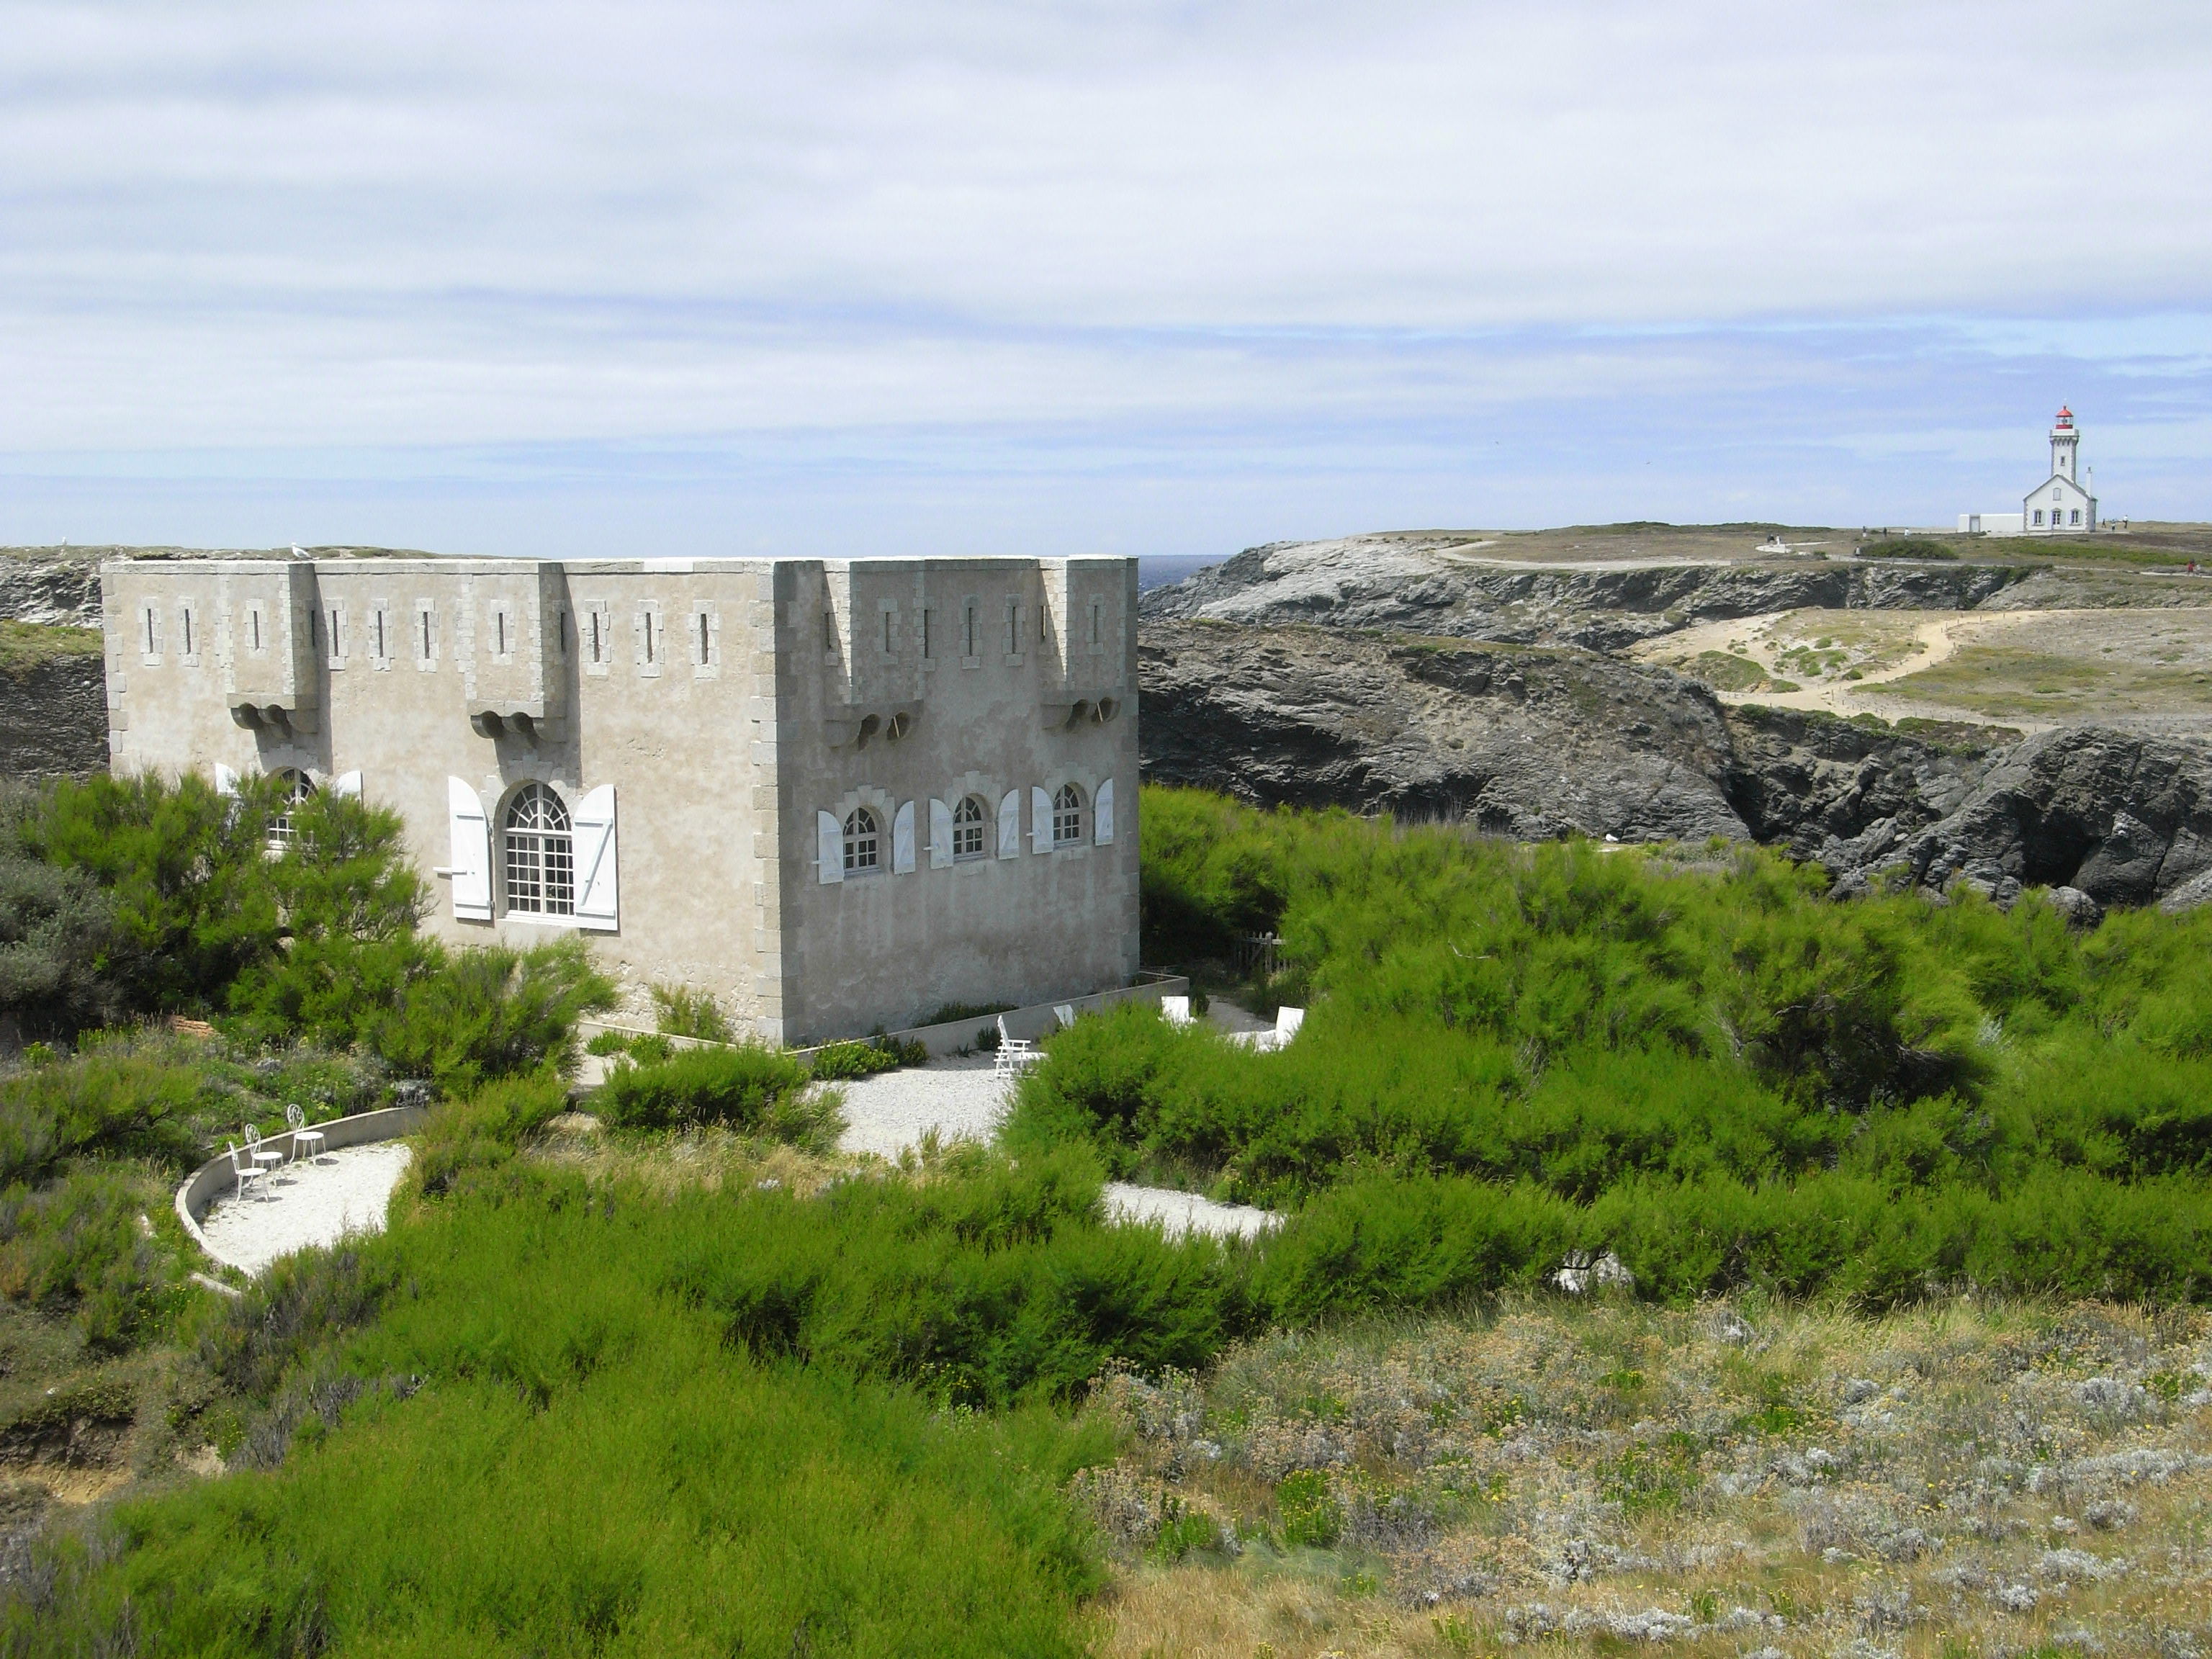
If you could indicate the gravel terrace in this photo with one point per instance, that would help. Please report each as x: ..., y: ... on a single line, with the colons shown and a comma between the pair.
x: 308, y: 1203
x: 961, y: 1098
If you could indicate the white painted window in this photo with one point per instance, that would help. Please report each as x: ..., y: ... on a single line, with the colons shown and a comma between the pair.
x: 2039, y: 515
x: 2074, y: 517
x: 541, y: 854
x: 1067, y: 816
x: 863, y: 842
x: 298, y: 787
x: 968, y: 821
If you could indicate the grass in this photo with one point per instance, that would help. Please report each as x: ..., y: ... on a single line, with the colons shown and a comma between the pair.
x: 25, y: 647
x: 2018, y: 675
x: 1991, y: 1475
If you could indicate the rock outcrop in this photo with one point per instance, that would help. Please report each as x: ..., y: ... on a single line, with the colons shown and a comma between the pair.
x: 53, y: 718
x: 1542, y: 742
x: 1408, y: 586
x: 1527, y: 742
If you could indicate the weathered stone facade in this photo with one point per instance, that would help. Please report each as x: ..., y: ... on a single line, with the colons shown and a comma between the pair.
x: 838, y: 794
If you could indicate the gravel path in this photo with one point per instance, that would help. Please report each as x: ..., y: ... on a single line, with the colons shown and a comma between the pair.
x: 962, y: 1098
x: 310, y: 1203
x: 1186, y: 1212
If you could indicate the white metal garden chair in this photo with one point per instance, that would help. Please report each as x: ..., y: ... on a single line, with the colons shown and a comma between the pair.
x: 306, y: 1142
x: 1014, y: 1053
x: 1176, y: 1010
x: 247, y: 1175
x: 265, y: 1157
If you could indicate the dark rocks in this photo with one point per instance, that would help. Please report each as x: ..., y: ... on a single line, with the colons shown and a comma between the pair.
x: 1540, y: 743
x: 53, y: 718
x: 1529, y: 744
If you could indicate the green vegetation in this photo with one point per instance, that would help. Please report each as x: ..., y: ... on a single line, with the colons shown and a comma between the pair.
x: 27, y: 646
x: 839, y: 1060
x: 1906, y: 546
x: 1725, y: 671
x: 747, y: 1087
x: 1729, y: 1080
x: 687, y: 1013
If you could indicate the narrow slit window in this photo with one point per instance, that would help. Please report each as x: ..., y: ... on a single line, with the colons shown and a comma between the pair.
x: 702, y: 639
x: 649, y: 636
x: 968, y: 636
x: 425, y: 619
x: 887, y: 632
x: 1096, y: 621
x: 253, y: 624
x: 828, y: 631
x: 187, y: 616
x: 381, y: 651
x: 1013, y: 628
x: 499, y: 628
x: 598, y: 646
x: 336, y: 649
x: 925, y: 632
x: 150, y: 647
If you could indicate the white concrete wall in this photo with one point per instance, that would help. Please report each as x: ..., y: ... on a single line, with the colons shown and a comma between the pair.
x: 721, y: 751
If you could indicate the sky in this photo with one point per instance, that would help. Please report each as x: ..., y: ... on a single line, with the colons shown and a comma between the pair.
x: 1166, y: 279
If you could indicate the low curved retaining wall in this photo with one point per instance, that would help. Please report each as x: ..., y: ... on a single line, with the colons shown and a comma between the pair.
x: 213, y: 1178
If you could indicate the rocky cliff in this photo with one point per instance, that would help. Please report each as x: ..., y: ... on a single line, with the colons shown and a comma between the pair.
x: 53, y: 717
x: 1547, y: 741
x: 1414, y: 586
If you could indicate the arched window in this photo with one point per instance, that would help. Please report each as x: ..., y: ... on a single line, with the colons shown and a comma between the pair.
x: 541, y: 854
x: 862, y: 839
x: 968, y: 820
x: 297, y: 786
x: 1067, y: 816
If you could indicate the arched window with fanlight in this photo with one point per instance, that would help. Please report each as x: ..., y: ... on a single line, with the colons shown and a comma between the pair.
x: 863, y: 842
x: 540, y: 855
x: 968, y: 821
x: 295, y: 787
x: 1067, y: 816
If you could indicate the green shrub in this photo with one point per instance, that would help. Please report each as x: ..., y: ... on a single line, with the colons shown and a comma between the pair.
x: 841, y: 1060
x: 687, y: 1013
x: 492, y: 1012
x: 126, y: 1097
x: 1311, y: 1513
x: 75, y: 1246
x: 608, y: 1044
x: 482, y: 1130
x: 746, y: 1086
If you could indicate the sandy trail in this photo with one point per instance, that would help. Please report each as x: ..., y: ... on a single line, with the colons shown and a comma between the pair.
x: 1939, y: 639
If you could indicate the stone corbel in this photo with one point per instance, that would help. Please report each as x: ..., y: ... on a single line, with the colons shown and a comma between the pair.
x: 531, y: 727
x: 859, y: 726
x: 279, y: 720
x: 1081, y: 711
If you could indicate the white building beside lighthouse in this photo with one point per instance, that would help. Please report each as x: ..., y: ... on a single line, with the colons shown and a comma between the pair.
x: 2059, y: 506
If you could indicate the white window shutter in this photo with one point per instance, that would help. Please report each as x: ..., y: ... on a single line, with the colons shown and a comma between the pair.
x: 471, y: 868
x: 1040, y: 821
x: 1101, y: 811
x: 829, y: 848
x: 940, y: 835
x: 226, y: 780
x: 598, y: 873
x: 1009, y: 824
x: 902, y: 840
x: 347, y: 783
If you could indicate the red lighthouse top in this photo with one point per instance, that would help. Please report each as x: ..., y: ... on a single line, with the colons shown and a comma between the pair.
x: 2065, y: 416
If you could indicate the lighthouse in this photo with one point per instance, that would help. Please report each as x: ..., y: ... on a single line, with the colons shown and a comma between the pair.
x: 2059, y: 506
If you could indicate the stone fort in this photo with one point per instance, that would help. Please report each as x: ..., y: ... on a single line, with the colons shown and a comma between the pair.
x: 837, y: 795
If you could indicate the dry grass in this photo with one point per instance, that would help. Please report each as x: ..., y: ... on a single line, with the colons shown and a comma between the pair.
x: 703, y: 1159
x: 1963, y: 1480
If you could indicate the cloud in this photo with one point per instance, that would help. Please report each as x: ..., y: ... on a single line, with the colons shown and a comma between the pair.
x: 393, y: 240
